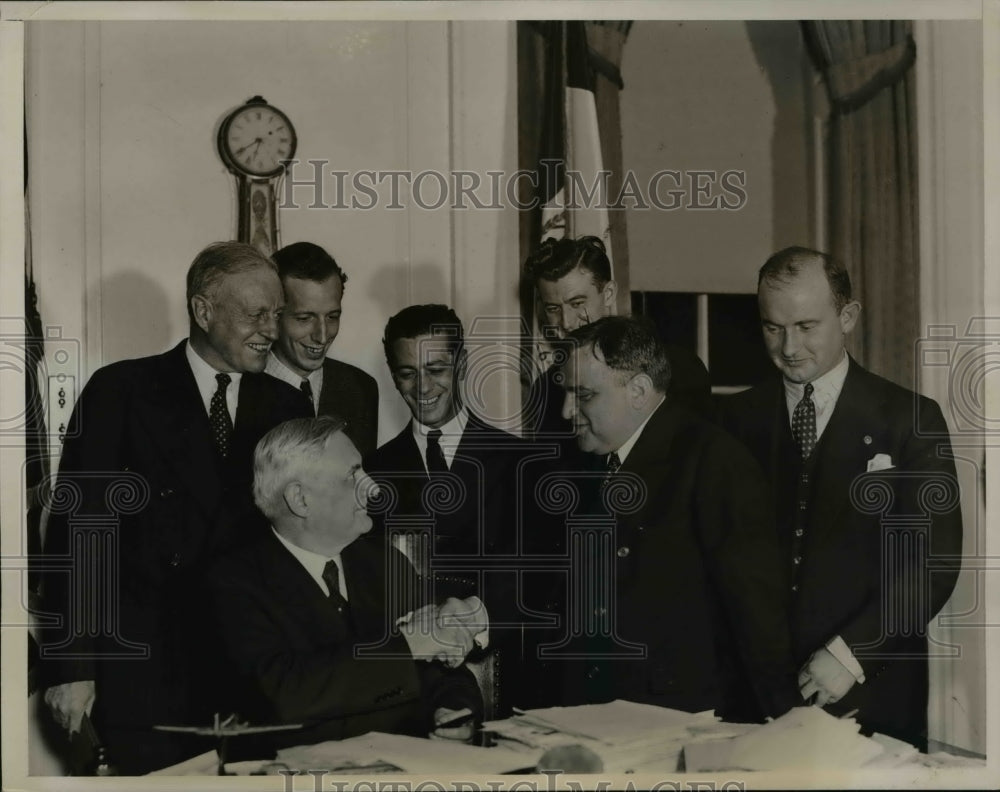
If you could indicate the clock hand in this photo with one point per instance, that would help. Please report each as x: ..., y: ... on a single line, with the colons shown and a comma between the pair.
x: 258, y: 141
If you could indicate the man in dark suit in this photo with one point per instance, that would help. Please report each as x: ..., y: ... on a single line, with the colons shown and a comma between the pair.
x: 867, y: 500
x: 697, y: 614
x: 314, y: 290
x: 153, y: 484
x: 310, y: 613
x: 461, y: 498
x: 572, y: 278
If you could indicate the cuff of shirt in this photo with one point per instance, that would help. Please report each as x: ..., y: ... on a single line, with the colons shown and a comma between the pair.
x: 840, y: 650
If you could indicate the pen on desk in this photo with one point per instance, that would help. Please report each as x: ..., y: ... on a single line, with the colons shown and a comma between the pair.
x: 850, y: 714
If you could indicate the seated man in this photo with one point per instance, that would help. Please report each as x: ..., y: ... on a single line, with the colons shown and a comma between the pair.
x: 310, y: 615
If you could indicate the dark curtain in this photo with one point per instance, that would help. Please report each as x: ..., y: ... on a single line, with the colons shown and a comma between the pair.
x: 867, y: 69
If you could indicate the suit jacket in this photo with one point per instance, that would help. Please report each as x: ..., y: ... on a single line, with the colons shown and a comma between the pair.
x: 353, y: 395
x: 695, y: 582
x: 866, y: 576
x: 139, y: 474
x: 297, y: 658
x: 484, y: 531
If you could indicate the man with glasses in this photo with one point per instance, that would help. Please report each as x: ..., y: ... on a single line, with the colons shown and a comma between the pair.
x: 157, y: 470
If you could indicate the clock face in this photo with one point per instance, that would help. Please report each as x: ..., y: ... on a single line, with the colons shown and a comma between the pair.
x: 255, y: 140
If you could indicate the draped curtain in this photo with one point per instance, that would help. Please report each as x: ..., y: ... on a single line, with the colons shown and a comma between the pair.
x: 867, y: 70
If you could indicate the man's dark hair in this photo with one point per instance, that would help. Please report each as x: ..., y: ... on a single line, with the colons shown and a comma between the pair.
x: 217, y: 261
x: 627, y: 345
x: 786, y: 264
x: 557, y: 257
x: 307, y: 261
x: 419, y: 320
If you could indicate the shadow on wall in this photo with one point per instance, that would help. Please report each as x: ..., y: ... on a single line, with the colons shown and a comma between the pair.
x: 780, y: 52
x: 135, y: 317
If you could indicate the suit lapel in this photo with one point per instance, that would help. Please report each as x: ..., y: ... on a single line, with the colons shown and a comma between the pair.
x: 843, y: 450
x: 175, y: 421
x: 315, y: 612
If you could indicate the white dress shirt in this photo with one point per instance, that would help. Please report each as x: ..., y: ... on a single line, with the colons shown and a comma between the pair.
x: 826, y: 391
x: 277, y: 368
x: 315, y: 563
x: 451, y: 436
x: 204, y: 376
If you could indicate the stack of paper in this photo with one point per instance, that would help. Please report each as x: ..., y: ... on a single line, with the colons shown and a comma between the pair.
x: 629, y: 737
x: 804, y: 738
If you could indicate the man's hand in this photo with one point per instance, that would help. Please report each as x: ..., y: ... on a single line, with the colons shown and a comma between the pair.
x: 462, y: 729
x: 824, y: 675
x: 69, y: 702
x: 430, y: 640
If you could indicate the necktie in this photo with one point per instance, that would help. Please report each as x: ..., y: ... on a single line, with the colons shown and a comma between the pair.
x: 331, y: 576
x: 613, y: 465
x: 804, y: 423
x: 306, y: 388
x: 435, y: 456
x: 218, y: 416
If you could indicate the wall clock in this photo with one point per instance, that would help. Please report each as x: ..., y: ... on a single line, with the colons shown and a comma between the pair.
x: 255, y: 141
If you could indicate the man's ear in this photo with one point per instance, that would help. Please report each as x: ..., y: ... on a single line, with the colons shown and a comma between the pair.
x: 202, y: 310
x: 295, y: 499
x: 609, y: 293
x: 640, y: 390
x: 849, y: 316
x: 461, y: 363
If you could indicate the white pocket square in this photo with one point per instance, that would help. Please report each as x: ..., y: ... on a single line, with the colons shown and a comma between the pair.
x: 880, y: 462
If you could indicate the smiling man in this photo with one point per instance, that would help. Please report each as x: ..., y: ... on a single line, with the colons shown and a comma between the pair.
x: 295, y: 606
x: 314, y: 290
x: 455, y: 475
x: 173, y: 434
x: 828, y: 435
x: 696, y: 579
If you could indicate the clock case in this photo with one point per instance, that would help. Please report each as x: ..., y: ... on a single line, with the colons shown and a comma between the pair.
x: 257, y: 222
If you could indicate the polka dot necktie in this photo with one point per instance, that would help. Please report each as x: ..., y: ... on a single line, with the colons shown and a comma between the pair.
x: 613, y: 465
x: 218, y: 416
x: 435, y: 455
x: 804, y: 423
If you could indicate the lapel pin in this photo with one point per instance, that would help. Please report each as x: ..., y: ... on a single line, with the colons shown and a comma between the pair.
x: 868, y: 439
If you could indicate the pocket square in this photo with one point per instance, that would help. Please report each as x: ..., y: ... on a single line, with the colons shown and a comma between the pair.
x: 880, y: 462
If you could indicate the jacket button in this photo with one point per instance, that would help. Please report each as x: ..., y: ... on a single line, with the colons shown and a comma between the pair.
x: 798, y: 532
x: 623, y: 552
x: 166, y: 492
x: 592, y: 672
x: 797, y: 560
x: 642, y: 527
x: 795, y: 587
x: 175, y: 560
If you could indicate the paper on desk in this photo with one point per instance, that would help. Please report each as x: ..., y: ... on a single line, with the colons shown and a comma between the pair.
x: 410, y: 754
x: 803, y: 738
x: 617, y: 722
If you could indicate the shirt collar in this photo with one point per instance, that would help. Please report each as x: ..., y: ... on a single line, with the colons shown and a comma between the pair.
x: 826, y: 388
x: 204, y: 376
x: 315, y: 563
x: 627, y: 446
x: 451, y: 435
x: 276, y: 367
